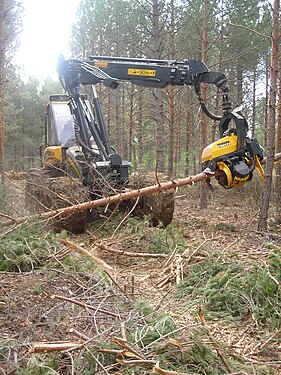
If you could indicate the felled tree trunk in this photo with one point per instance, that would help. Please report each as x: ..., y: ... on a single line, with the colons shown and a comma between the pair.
x: 173, y: 184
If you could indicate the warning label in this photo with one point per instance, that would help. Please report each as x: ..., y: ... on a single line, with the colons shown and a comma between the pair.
x: 142, y: 72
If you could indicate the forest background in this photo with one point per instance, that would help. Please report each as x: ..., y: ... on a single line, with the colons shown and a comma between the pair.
x: 212, y: 263
x: 149, y: 126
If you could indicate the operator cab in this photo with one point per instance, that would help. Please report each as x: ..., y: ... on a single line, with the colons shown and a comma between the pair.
x: 59, y: 124
x: 59, y: 121
x: 62, y: 150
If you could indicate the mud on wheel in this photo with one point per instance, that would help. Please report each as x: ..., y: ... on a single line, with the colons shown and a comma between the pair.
x: 158, y: 206
x: 44, y: 192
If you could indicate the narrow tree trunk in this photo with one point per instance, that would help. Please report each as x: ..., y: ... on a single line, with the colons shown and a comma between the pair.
x: 171, y: 131
x: 188, y: 139
x: 254, y: 103
x: 158, y: 94
x: 2, y: 57
x: 159, y: 130
x: 215, y: 123
x: 177, y: 146
x: 123, y: 110
x: 130, y: 125
x: 239, y: 87
x: 266, y: 105
x: 118, y: 130
x: 220, y: 69
x: 278, y: 148
x: 108, y: 117
x: 171, y: 97
x: 140, y: 148
x: 263, y: 214
x: 203, y: 118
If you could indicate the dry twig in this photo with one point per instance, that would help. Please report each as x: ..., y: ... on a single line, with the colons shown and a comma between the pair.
x: 124, y: 344
x: 218, y: 350
x: 84, y: 305
x: 83, y: 251
x: 52, y: 347
x: 127, y: 253
x: 157, y: 370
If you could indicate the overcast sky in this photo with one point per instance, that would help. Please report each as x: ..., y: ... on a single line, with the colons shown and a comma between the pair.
x: 45, y: 36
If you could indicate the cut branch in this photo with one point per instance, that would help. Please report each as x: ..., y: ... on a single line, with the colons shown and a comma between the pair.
x: 213, y: 341
x: 124, y: 344
x: 53, y: 347
x: 84, y: 305
x: 128, y: 253
x: 83, y: 251
x: 157, y: 370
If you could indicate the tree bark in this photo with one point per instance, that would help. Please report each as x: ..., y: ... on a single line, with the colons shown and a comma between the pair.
x: 108, y: 117
x: 254, y: 103
x: 278, y: 149
x: 263, y: 213
x: 123, y: 140
x: 266, y: 105
x: 140, y: 148
x: 130, y: 127
x: 171, y: 97
x: 239, y: 85
x: 158, y: 93
x: 189, y: 122
x: 2, y: 58
x: 118, y: 131
x: 203, y: 118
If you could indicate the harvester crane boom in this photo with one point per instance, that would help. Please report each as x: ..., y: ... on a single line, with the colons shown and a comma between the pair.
x: 237, y: 155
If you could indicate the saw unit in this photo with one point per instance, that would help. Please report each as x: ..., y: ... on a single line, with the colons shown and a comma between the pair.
x: 235, y: 154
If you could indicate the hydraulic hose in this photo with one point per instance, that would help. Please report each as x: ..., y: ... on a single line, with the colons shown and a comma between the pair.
x: 203, y: 105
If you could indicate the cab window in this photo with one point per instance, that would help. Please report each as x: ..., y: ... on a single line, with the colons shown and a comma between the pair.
x: 63, y: 121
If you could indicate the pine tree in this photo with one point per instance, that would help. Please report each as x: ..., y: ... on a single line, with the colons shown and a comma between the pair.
x: 263, y: 214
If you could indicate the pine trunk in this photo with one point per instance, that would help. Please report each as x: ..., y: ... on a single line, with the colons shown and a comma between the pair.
x: 140, y: 148
x: 266, y: 105
x: 239, y: 87
x: 108, y: 108
x: 188, y: 140
x: 130, y: 127
x: 263, y: 214
x: 254, y: 104
x: 203, y: 119
x: 171, y: 131
x: 2, y: 57
x: 158, y: 94
x: 118, y: 131
x: 278, y: 148
x: 122, y: 109
x: 171, y: 153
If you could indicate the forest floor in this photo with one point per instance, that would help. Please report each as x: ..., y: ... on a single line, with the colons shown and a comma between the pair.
x: 199, y: 297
